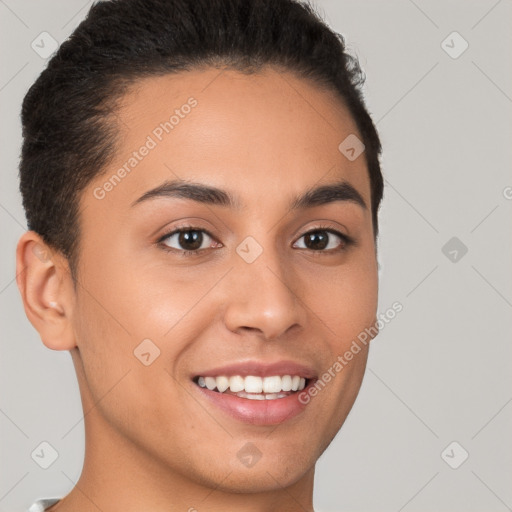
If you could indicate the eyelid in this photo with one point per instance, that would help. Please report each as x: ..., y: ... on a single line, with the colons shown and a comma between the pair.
x: 181, y: 228
x: 191, y: 227
x: 347, y: 240
x: 326, y: 227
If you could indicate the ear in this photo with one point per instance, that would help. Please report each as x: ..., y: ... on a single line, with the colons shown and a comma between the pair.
x: 47, y: 291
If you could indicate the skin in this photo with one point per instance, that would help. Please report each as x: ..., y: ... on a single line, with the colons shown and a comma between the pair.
x: 151, y: 443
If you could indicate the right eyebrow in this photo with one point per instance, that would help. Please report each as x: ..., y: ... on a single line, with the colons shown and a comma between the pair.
x: 194, y: 191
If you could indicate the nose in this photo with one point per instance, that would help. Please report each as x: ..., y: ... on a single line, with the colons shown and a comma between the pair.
x: 261, y: 298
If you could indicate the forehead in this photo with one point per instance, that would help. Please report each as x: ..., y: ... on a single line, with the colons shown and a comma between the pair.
x: 267, y: 135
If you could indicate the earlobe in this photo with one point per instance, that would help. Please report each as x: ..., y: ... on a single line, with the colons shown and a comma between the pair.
x: 45, y: 284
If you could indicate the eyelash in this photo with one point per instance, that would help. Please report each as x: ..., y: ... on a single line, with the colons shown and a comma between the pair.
x: 346, y: 240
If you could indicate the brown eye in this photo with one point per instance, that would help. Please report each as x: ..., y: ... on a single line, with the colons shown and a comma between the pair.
x: 323, y: 240
x: 317, y: 240
x: 187, y: 240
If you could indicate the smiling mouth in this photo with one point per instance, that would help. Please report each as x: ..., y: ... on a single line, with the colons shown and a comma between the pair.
x: 253, y: 387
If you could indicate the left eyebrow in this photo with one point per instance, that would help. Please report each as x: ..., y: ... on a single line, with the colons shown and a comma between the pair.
x: 338, y: 191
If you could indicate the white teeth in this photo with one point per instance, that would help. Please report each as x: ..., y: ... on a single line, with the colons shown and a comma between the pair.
x: 253, y: 384
x: 273, y: 396
x: 236, y: 383
x: 222, y: 383
x: 211, y: 382
x: 286, y: 383
x: 272, y: 384
x: 270, y: 387
x: 261, y: 396
x: 253, y: 396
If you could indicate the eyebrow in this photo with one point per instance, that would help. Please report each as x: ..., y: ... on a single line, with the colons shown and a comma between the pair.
x: 324, y: 194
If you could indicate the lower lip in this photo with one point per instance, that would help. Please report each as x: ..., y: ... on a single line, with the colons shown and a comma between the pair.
x: 256, y: 412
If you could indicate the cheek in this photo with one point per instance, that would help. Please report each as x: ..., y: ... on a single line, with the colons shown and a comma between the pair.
x: 127, y: 303
x: 346, y: 302
x: 105, y: 343
x: 345, y: 299
x: 147, y: 404
x: 126, y: 314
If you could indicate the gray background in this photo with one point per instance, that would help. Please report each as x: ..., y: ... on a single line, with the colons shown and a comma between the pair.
x: 441, y: 370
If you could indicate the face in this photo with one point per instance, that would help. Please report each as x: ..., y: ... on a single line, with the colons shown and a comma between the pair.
x: 204, y: 264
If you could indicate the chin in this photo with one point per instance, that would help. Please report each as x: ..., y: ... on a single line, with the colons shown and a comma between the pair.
x: 264, y: 473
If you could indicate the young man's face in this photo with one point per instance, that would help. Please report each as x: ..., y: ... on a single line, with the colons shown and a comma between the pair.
x: 259, y: 292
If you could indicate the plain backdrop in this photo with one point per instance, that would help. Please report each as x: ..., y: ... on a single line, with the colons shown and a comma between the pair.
x: 431, y: 427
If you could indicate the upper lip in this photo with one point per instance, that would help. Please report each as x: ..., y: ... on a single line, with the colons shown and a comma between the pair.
x: 260, y: 369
